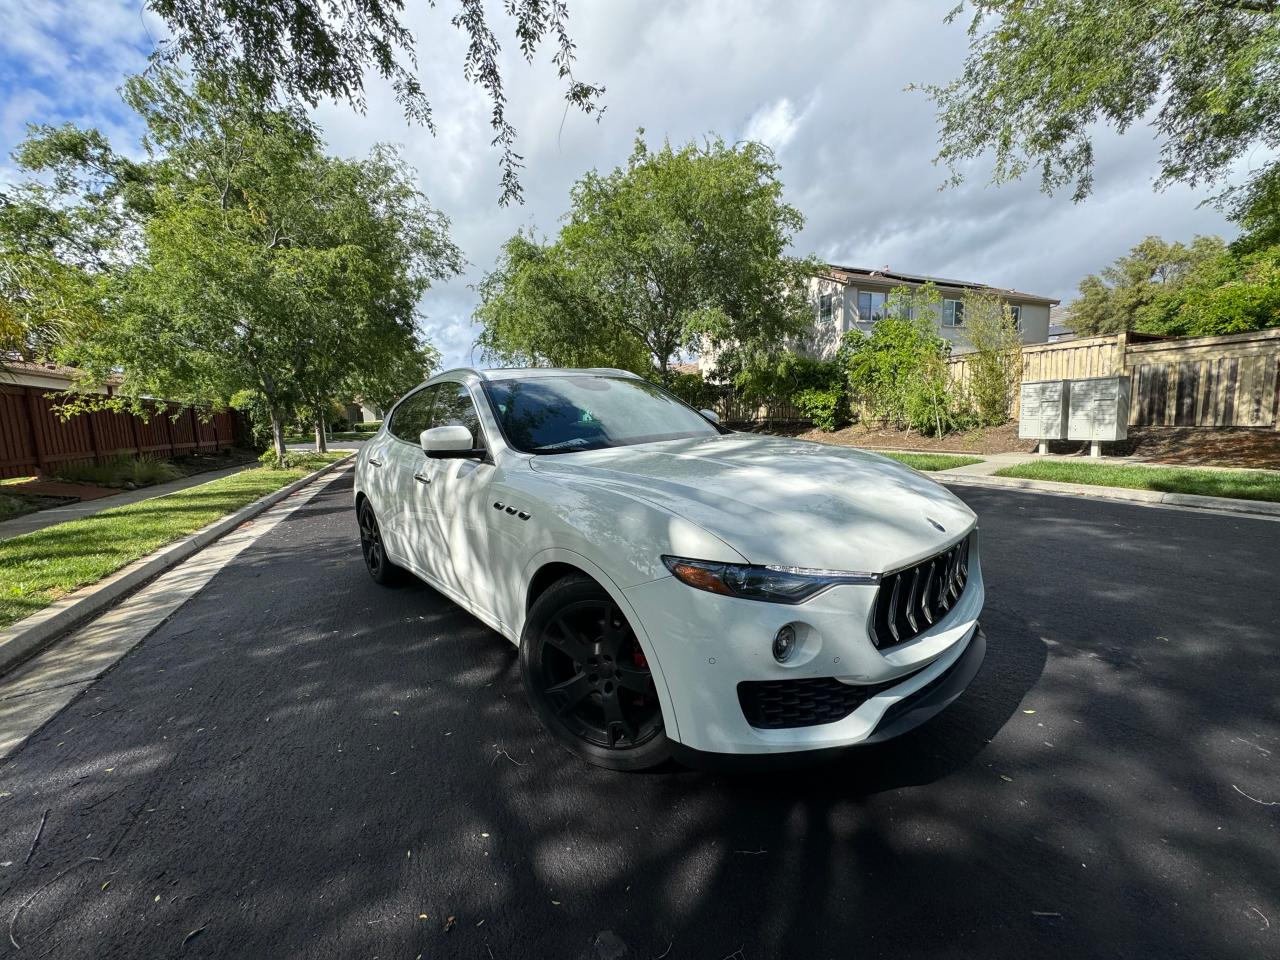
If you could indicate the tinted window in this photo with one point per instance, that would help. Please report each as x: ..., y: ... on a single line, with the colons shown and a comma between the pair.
x: 563, y: 414
x: 413, y: 415
x: 455, y: 409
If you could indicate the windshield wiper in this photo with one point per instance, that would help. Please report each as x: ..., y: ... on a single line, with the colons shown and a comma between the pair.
x: 563, y: 444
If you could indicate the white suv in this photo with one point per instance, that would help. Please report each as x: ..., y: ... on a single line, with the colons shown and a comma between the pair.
x: 676, y: 588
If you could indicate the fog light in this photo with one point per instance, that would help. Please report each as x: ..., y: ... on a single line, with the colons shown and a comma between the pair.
x: 784, y: 643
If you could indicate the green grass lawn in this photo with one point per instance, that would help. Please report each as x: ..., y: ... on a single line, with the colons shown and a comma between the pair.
x: 1242, y: 484
x: 38, y: 568
x: 932, y: 461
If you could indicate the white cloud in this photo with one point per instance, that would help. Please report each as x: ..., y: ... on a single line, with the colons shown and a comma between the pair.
x: 823, y: 86
x: 774, y: 124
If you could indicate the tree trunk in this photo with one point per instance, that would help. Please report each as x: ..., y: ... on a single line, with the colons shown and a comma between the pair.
x: 322, y: 444
x: 277, y: 436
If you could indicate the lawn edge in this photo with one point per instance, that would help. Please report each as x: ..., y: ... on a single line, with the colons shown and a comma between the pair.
x: 1231, y: 505
x: 21, y: 641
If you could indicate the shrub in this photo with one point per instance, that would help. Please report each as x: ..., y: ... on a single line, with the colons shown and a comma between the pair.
x: 817, y: 387
x: 119, y: 471
x: 996, y: 364
x: 823, y: 407
x: 898, y: 372
x: 693, y: 390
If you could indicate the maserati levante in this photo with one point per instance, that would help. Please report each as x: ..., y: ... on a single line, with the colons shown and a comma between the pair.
x: 675, y: 588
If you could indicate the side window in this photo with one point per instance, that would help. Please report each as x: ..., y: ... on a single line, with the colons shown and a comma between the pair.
x: 455, y: 408
x: 414, y: 415
x: 824, y: 308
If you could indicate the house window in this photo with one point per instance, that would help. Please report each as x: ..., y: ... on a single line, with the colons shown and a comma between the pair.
x: 1015, y: 311
x: 953, y: 313
x: 824, y: 308
x: 871, y: 306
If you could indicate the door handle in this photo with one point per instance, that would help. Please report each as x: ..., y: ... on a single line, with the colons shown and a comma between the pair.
x: 421, y: 479
x: 374, y: 462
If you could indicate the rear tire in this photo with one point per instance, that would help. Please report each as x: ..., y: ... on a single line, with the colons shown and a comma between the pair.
x: 374, y: 551
x: 588, y: 679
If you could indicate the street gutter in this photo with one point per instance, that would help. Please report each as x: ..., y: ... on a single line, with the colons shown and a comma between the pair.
x: 32, y: 634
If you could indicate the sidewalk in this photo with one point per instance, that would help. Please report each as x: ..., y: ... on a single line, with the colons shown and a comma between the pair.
x: 995, y: 461
x: 31, y: 522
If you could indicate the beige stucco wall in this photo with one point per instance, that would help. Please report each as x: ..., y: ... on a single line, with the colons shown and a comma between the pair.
x: 825, y: 340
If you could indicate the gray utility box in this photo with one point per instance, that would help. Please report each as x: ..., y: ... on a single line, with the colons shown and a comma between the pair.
x: 1099, y: 409
x: 1043, y: 410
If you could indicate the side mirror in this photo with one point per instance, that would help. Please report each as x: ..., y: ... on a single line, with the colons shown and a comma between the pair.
x: 710, y: 415
x: 448, y: 443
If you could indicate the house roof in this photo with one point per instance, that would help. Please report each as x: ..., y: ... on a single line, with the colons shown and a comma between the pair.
x: 52, y: 376
x: 885, y: 275
x: 1060, y: 323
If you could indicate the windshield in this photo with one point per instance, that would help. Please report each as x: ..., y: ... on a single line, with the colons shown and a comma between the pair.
x: 588, y: 412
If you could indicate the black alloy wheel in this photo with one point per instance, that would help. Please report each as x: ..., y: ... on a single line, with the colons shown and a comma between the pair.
x: 375, y: 553
x: 589, y: 680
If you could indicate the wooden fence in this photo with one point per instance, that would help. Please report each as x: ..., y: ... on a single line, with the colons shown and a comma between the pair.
x: 34, y: 439
x: 1225, y: 381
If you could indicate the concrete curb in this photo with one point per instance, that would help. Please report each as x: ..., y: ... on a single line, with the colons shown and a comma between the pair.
x: 32, y: 634
x: 1255, y: 508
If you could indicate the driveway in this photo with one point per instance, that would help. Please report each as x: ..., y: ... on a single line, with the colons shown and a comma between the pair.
x: 303, y: 764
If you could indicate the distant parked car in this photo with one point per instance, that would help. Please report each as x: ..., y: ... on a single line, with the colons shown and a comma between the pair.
x: 676, y: 588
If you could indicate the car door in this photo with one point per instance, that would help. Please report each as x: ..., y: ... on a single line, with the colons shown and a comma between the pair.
x: 456, y: 521
x: 401, y: 477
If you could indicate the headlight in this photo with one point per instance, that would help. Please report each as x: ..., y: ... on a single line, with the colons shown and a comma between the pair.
x: 771, y: 583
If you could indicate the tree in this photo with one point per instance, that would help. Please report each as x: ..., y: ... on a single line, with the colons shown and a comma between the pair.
x: 54, y: 255
x: 1041, y: 78
x: 537, y: 309
x: 1224, y: 294
x: 681, y: 250
x: 307, y: 50
x: 390, y: 246
x: 1120, y: 297
x: 996, y: 363
x: 266, y: 272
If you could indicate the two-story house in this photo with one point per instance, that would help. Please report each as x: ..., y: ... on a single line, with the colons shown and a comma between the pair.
x: 854, y: 298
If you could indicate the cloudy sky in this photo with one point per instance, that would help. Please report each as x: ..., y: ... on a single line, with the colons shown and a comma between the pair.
x: 821, y: 82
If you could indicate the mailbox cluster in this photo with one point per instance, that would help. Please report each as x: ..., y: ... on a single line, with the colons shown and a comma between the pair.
x: 1095, y: 409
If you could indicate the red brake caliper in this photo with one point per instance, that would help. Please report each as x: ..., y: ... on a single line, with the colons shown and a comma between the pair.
x: 638, y: 658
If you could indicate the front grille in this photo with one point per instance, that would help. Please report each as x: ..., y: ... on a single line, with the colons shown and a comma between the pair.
x: 776, y: 704
x: 912, y: 600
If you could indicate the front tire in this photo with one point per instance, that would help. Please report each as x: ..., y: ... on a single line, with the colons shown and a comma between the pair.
x: 588, y: 679
x: 372, y: 548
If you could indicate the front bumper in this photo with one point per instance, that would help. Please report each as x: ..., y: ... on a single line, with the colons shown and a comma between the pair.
x: 703, y: 645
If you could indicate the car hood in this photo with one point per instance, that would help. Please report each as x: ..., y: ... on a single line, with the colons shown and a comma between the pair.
x: 779, y: 501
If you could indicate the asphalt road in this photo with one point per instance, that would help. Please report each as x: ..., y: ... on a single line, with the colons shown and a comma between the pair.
x: 303, y: 764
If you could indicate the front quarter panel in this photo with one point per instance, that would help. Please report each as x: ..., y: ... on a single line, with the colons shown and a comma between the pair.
x: 623, y: 536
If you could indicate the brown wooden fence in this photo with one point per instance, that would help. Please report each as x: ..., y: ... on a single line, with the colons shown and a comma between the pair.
x: 1225, y: 381
x: 35, y: 439
x: 734, y: 410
